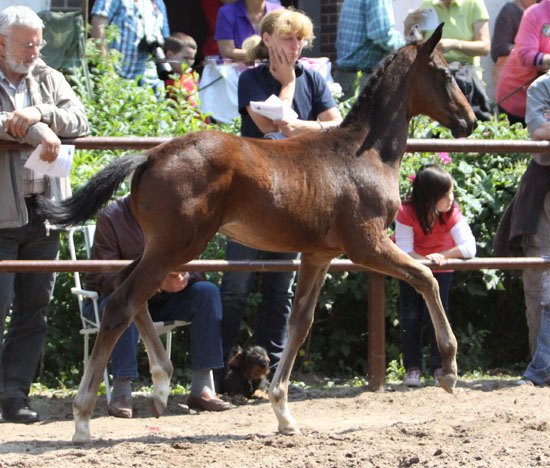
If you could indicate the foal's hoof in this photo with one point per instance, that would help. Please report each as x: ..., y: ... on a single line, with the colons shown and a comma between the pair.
x: 156, y: 406
x: 80, y: 438
x: 448, y: 382
x: 290, y: 429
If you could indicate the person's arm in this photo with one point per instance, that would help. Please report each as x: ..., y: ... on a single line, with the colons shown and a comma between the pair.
x: 45, y: 123
x: 537, y: 108
x: 99, y: 23
x: 66, y: 115
x: 481, y: 45
x: 225, y: 36
x: 542, y: 133
x: 404, y: 239
x: 380, y: 26
x: 327, y: 119
x: 175, y: 281
x: 528, y: 41
x: 228, y: 50
x: 504, y: 33
x: 464, y: 240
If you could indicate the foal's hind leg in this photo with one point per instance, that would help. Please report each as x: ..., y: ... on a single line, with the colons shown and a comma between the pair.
x: 86, y: 397
x: 160, y: 365
x: 310, y: 279
x: 389, y: 259
x: 120, y: 309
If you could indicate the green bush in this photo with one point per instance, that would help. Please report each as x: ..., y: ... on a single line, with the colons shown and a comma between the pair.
x: 486, y: 306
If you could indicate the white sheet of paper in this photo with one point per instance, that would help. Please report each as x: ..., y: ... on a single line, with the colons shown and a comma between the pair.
x: 274, y: 108
x: 59, y: 168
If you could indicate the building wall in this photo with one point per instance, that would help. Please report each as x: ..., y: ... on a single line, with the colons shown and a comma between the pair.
x: 330, y: 11
x: 66, y: 5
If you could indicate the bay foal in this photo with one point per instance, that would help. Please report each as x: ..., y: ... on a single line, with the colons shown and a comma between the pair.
x: 322, y: 194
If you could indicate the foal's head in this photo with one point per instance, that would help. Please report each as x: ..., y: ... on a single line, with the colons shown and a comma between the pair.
x: 435, y: 92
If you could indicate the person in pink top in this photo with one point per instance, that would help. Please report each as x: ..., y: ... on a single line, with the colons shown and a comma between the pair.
x: 529, y: 59
x: 429, y: 226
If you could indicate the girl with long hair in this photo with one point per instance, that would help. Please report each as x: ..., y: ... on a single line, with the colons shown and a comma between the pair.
x: 430, y: 226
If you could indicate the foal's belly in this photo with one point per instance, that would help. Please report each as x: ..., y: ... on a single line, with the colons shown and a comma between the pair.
x: 280, y: 237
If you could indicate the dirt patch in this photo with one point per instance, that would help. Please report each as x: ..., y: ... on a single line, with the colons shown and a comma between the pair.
x: 483, y: 424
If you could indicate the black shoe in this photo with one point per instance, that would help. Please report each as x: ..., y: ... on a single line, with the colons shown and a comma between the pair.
x: 17, y: 410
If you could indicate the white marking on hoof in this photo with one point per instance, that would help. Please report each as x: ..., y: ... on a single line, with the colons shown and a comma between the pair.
x: 82, y: 432
x: 290, y: 430
x: 161, y: 387
x: 287, y: 423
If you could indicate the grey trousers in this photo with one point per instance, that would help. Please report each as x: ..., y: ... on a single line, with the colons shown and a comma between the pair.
x: 536, y: 283
x: 27, y: 295
x: 348, y: 81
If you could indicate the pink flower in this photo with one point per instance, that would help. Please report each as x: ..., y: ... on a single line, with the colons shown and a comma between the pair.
x: 444, y: 157
x: 486, y: 133
x: 411, y: 177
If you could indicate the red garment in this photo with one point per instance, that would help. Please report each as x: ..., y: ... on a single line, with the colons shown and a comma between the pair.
x: 524, y: 64
x: 440, y: 239
x: 210, y: 9
x: 187, y: 83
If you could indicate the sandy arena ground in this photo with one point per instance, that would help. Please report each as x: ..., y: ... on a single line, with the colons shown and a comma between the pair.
x: 486, y: 423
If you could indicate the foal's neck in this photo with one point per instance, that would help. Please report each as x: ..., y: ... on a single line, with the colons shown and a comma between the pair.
x: 378, y: 121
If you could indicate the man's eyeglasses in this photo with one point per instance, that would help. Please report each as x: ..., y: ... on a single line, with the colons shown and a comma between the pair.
x: 28, y: 45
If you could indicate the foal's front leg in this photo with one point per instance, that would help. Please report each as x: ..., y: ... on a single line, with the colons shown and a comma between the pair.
x: 159, y: 363
x: 385, y: 257
x: 310, y: 279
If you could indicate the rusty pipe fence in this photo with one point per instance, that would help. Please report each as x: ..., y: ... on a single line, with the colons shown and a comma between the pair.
x: 375, y: 281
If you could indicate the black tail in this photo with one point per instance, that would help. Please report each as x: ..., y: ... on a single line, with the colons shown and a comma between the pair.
x: 85, y: 203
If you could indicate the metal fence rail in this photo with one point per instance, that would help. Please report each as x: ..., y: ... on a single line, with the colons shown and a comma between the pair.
x: 375, y: 284
x: 413, y: 144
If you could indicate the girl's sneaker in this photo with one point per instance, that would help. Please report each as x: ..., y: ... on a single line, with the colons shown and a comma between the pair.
x: 413, y: 377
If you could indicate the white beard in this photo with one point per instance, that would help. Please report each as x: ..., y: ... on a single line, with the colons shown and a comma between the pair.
x: 19, y: 67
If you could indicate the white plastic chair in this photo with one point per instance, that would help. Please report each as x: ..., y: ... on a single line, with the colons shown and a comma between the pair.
x: 91, y: 326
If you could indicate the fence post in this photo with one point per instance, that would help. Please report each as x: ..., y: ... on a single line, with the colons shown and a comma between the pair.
x: 376, y: 328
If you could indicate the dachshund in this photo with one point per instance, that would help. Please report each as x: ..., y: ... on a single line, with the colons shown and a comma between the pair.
x: 246, y: 375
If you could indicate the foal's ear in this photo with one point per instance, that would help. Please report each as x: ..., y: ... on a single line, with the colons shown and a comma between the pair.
x: 415, y: 34
x: 430, y: 44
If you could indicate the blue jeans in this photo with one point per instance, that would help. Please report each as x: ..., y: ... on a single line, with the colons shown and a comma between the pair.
x: 272, y: 323
x: 199, y: 304
x: 413, y: 312
x: 538, y: 370
x: 28, y: 294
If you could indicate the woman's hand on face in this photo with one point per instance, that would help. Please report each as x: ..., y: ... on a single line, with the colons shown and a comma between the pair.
x: 280, y: 66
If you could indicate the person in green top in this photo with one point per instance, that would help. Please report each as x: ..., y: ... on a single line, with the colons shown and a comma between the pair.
x: 466, y: 34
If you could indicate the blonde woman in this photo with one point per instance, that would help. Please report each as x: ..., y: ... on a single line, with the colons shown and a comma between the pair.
x: 284, y: 34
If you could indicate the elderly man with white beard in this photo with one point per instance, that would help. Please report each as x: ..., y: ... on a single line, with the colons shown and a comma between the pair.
x: 37, y: 106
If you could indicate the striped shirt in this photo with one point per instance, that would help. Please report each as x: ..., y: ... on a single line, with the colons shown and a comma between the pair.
x: 366, y: 33
x: 134, y: 19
